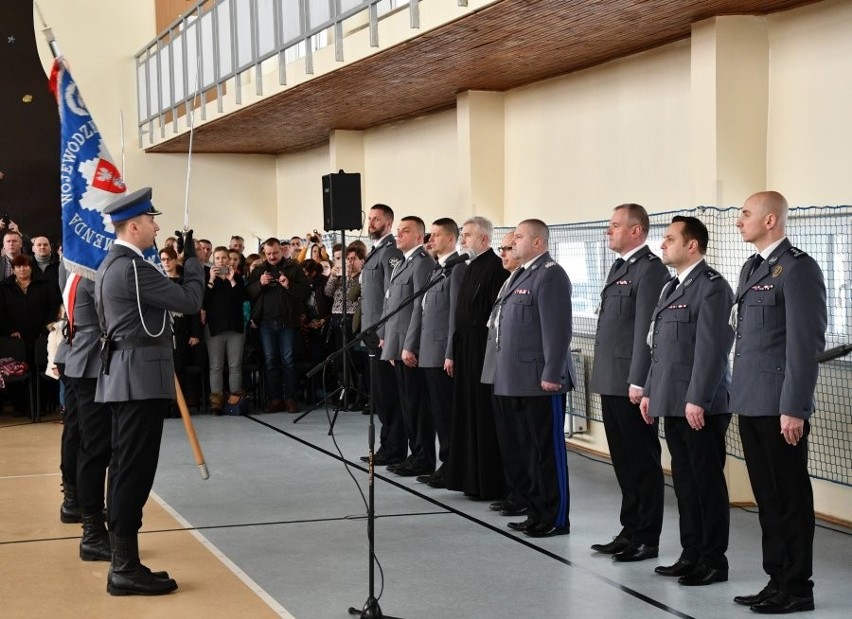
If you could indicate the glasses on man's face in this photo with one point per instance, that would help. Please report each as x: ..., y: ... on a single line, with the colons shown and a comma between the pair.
x: 505, y: 249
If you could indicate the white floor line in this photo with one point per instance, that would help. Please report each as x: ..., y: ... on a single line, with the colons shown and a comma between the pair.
x: 29, y: 476
x: 251, y: 584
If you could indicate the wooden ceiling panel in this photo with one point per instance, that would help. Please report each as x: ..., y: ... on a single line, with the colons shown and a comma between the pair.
x: 505, y: 45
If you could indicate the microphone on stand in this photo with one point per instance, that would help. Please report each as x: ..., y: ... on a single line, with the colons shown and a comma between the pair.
x: 834, y: 353
x: 462, y: 257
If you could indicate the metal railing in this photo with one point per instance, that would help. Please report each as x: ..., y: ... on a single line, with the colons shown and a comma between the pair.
x: 823, y: 231
x: 219, y: 40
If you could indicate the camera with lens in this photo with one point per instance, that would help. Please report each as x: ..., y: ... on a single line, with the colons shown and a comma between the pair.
x: 6, y: 220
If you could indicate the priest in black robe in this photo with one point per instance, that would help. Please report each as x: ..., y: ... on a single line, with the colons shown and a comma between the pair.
x: 474, y: 465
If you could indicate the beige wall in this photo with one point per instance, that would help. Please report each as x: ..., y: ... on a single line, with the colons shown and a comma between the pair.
x: 412, y: 166
x: 810, y: 89
x: 580, y: 144
x: 229, y: 194
x: 299, y: 181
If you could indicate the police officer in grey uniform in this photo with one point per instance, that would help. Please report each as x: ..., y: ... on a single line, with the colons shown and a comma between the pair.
x: 781, y: 318
x: 435, y: 346
x: 375, y: 279
x: 401, y: 346
x: 94, y: 419
x: 533, y: 372
x: 622, y: 358
x: 137, y: 375
x: 690, y: 341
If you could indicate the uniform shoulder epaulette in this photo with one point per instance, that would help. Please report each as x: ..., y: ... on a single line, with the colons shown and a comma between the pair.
x: 797, y: 253
x: 652, y: 256
x: 711, y: 274
x: 422, y: 253
x: 549, y: 264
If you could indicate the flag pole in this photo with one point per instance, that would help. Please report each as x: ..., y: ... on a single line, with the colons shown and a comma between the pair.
x: 190, y: 431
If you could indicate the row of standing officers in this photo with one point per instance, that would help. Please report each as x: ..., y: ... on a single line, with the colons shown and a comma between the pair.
x: 483, y: 361
x: 500, y: 344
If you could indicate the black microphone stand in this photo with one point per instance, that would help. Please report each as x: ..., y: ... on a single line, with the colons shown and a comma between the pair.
x: 369, y: 336
x: 340, y: 392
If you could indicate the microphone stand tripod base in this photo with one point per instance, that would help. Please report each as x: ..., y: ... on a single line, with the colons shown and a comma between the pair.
x: 371, y: 610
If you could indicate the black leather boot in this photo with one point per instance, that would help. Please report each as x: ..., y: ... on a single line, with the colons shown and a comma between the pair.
x: 94, y: 546
x: 127, y: 576
x: 70, y: 510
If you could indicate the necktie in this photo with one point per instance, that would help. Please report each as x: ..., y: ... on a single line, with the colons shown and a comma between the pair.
x: 756, y: 262
x: 616, y: 265
x: 513, y: 277
x: 504, y: 293
x: 672, y: 286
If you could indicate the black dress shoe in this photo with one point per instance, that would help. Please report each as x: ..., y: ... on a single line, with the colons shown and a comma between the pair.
x: 636, y: 553
x: 522, y: 526
x: 388, y: 461
x: 406, y: 462
x: 617, y: 544
x: 437, y: 481
x: 499, y: 506
x: 376, y: 454
x: 544, y: 529
x: 431, y: 479
x: 680, y: 568
x: 703, y: 575
x: 783, y: 603
x: 379, y: 459
x: 514, y: 510
x: 414, y: 470
x: 750, y: 600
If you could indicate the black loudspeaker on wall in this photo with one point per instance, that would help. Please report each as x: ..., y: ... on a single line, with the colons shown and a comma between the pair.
x: 341, y: 201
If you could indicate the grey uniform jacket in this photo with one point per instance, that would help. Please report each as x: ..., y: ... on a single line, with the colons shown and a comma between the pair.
x: 534, y: 333
x: 622, y: 357
x: 82, y: 358
x: 489, y: 362
x: 402, y: 331
x: 781, y: 321
x: 438, y: 307
x: 375, y: 279
x: 142, y: 372
x: 690, y: 343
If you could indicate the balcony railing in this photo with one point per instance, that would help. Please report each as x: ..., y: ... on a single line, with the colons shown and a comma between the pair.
x: 217, y: 41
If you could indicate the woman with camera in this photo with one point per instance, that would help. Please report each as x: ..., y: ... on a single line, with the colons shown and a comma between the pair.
x: 223, y: 306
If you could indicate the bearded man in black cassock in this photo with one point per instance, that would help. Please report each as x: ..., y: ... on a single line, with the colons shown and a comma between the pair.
x: 474, y: 465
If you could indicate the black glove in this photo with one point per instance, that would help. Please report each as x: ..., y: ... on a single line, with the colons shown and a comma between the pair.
x: 185, y: 243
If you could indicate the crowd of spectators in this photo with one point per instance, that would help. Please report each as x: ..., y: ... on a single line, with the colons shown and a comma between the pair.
x: 267, y: 317
x: 30, y: 298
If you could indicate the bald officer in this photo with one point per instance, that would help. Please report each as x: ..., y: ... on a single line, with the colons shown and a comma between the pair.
x: 137, y: 376
x: 688, y: 385
x: 533, y: 372
x: 781, y: 319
